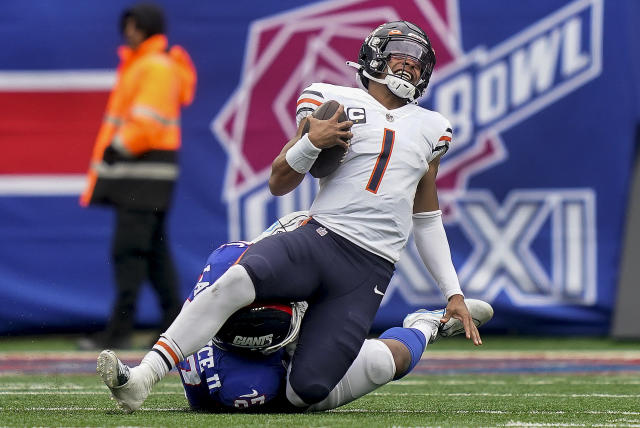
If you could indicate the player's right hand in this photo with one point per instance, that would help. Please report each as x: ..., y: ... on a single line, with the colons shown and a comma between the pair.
x: 328, y: 133
x: 456, y: 308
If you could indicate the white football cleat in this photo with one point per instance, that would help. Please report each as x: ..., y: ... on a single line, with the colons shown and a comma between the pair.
x: 129, y: 387
x: 481, y: 312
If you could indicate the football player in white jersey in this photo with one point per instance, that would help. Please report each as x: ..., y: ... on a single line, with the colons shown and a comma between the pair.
x: 342, y: 260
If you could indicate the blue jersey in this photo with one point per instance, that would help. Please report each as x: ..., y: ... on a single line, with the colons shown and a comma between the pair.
x: 216, y: 379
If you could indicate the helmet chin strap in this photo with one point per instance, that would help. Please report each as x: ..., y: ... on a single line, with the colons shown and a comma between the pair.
x: 398, y: 86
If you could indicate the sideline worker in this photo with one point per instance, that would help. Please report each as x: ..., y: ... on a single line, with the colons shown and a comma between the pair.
x: 134, y: 167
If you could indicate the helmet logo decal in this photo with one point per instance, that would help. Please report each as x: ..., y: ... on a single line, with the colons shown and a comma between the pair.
x: 253, y: 341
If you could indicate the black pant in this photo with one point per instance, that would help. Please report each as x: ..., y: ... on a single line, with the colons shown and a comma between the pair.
x: 343, y: 285
x: 140, y: 251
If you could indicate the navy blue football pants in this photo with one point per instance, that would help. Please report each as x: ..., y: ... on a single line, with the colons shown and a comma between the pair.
x: 343, y: 284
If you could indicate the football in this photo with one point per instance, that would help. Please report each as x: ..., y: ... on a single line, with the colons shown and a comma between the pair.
x: 329, y: 159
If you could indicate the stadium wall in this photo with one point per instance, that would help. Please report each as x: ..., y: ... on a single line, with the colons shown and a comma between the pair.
x: 543, y: 98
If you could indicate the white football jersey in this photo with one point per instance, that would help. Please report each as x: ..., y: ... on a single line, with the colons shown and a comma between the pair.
x: 369, y: 198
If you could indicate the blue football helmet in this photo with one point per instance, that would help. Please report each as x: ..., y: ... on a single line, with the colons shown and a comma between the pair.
x: 261, y: 328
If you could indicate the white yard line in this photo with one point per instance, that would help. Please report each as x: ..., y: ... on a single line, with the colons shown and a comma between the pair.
x: 488, y: 394
x: 381, y: 394
x: 623, y: 380
x: 393, y: 411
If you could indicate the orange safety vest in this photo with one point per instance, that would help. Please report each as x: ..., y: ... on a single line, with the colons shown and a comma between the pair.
x: 134, y: 160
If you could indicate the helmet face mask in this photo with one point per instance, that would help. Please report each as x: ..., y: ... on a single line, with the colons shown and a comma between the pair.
x: 396, y: 39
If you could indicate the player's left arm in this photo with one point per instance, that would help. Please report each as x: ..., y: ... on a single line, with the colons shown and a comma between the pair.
x: 433, y: 247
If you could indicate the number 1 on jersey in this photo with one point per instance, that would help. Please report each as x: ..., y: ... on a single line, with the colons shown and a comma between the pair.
x: 382, y: 162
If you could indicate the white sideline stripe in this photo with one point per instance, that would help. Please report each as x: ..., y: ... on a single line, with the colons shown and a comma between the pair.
x: 62, y: 80
x: 42, y: 185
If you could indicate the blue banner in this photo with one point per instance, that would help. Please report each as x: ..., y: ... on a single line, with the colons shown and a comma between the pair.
x: 543, y: 98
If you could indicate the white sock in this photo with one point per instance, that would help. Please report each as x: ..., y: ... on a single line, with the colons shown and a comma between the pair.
x: 150, y: 370
x: 158, y: 362
x: 155, y: 361
x: 372, y: 368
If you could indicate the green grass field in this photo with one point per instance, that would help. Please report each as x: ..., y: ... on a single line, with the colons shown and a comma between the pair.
x: 595, y: 396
